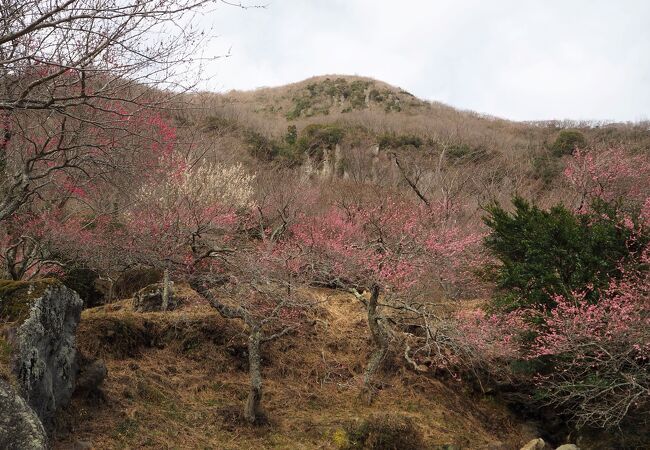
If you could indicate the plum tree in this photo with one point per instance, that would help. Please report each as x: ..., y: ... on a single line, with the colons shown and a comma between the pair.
x: 388, y: 248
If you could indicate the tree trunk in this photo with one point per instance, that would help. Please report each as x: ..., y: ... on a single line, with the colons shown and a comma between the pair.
x: 165, y: 294
x: 379, y: 338
x: 111, y: 285
x: 253, y: 410
x: 5, y: 137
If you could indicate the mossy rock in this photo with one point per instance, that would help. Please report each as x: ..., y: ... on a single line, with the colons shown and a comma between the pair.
x: 20, y: 428
x: 5, y: 360
x: 37, y: 344
x: 17, y: 297
x: 150, y: 298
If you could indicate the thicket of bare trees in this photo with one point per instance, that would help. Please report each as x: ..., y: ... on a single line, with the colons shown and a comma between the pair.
x: 74, y: 77
x: 84, y: 86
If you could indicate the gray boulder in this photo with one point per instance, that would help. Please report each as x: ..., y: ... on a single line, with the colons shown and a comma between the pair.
x: 20, y: 427
x: 150, y: 298
x: 568, y: 447
x: 42, y: 337
x: 535, y: 444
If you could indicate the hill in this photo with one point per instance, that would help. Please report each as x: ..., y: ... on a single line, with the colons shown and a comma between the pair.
x: 337, y: 241
x: 372, y: 122
x: 180, y: 377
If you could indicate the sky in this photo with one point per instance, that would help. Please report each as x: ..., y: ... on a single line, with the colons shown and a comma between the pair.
x: 521, y: 60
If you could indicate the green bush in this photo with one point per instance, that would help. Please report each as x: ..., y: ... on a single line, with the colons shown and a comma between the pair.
x: 316, y: 98
x: 546, y: 168
x: 289, y: 155
x: 292, y: 135
x: 384, y: 432
x: 316, y: 137
x: 457, y: 152
x: 545, y: 252
x: 392, y: 105
x: 300, y: 104
x: 357, y: 93
x: 393, y: 140
x: 567, y: 141
x: 291, y: 148
x: 260, y: 146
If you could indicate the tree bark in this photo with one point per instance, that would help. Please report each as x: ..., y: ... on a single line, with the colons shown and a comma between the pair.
x: 165, y: 293
x: 111, y: 287
x: 379, y: 338
x: 253, y: 410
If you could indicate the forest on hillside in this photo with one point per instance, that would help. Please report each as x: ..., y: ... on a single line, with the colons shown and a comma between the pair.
x: 333, y: 263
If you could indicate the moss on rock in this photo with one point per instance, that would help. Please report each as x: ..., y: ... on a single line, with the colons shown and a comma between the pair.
x: 37, y: 342
x: 17, y: 297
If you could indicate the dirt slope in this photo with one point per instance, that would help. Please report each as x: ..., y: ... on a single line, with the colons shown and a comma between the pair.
x: 178, y: 380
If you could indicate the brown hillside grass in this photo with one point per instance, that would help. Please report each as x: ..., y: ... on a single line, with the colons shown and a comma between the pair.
x: 265, y: 108
x: 513, y: 157
x: 178, y: 380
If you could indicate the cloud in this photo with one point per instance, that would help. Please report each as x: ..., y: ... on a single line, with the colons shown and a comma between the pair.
x: 584, y: 59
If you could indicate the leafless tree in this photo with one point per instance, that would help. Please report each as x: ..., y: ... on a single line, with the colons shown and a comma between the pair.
x: 258, y: 291
x: 74, y: 77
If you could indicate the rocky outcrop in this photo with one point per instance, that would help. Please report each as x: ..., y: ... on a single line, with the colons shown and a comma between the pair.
x: 20, y: 427
x: 44, y: 316
x: 539, y: 444
x: 535, y: 444
x: 150, y: 298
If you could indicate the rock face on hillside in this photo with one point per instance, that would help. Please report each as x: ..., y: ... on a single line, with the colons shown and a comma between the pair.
x: 535, y: 444
x: 44, y: 318
x: 150, y: 298
x: 20, y: 427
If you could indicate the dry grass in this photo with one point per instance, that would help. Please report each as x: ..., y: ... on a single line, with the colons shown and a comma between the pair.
x: 178, y: 380
x: 265, y: 109
x: 518, y: 163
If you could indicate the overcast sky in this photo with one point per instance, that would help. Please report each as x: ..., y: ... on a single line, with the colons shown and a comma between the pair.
x: 520, y: 59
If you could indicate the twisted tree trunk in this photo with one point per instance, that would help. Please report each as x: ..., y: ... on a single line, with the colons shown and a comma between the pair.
x: 165, y: 292
x: 381, y: 340
x: 253, y: 409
